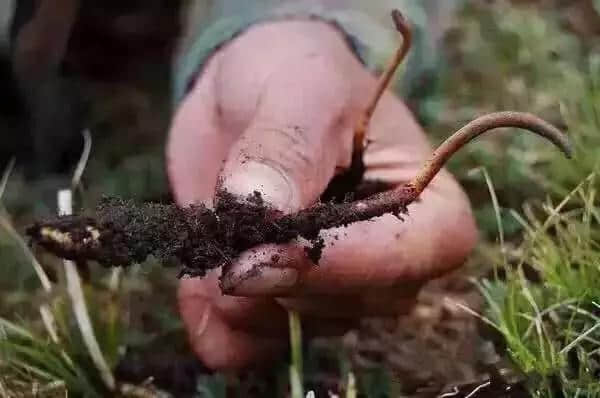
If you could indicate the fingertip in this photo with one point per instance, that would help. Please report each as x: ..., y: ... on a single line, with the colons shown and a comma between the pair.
x: 242, y: 177
x: 267, y: 270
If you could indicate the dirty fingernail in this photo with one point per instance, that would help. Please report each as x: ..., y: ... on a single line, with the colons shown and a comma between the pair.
x: 275, y: 187
x: 260, y: 280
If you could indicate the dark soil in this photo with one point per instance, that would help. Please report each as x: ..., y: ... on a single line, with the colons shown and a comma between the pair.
x: 172, y: 371
x: 438, y: 350
x: 198, y: 238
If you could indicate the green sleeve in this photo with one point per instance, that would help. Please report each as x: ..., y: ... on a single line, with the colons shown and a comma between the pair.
x: 368, y: 28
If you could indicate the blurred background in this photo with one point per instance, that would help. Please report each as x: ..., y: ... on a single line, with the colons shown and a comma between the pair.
x: 106, y: 67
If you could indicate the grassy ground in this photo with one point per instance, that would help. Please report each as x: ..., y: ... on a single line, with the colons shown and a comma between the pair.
x: 526, y: 309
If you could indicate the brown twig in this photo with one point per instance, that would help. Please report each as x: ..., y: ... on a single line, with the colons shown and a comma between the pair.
x: 360, y: 131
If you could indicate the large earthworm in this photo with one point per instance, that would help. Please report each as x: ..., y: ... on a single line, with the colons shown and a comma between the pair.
x: 199, y: 238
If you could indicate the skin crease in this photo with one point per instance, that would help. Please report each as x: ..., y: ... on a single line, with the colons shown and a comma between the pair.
x: 274, y: 109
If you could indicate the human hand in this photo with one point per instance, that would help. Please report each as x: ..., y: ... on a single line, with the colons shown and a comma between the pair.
x: 274, y: 111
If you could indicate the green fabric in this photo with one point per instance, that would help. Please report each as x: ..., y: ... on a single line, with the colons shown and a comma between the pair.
x: 367, y: 25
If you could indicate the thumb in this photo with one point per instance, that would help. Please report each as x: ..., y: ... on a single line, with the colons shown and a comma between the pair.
x: 297, y: 136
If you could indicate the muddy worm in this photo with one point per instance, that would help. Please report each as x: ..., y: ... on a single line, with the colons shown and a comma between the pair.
x: 200, y: 238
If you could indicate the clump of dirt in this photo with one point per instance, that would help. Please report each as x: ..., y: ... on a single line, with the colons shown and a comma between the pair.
x: 438, y: 348
x: 196, y: 238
